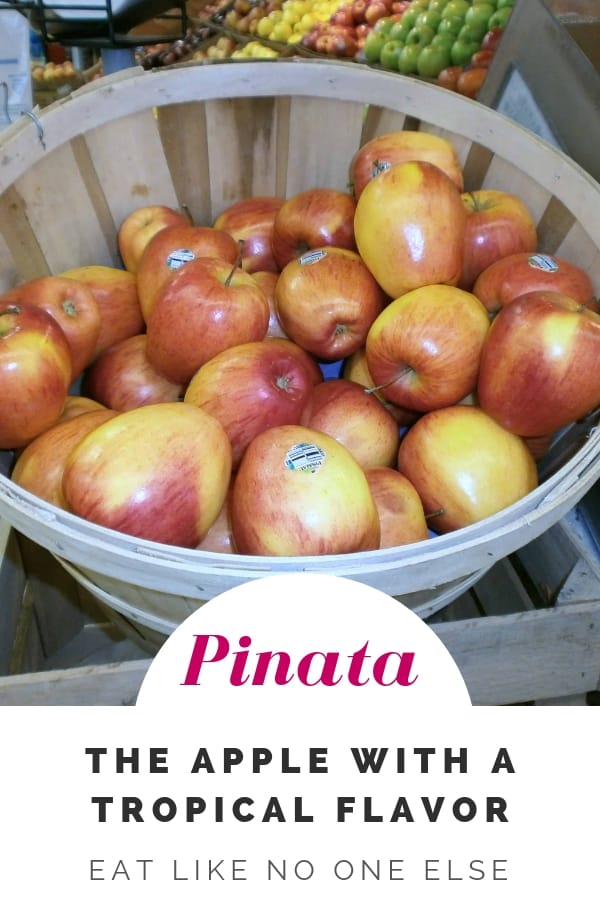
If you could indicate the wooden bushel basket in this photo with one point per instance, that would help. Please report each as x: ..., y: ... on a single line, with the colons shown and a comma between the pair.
x: 202, y: 137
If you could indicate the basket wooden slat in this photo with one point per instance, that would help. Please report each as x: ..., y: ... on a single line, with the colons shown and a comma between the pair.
x: 182, y: 129
x: 130, y: 164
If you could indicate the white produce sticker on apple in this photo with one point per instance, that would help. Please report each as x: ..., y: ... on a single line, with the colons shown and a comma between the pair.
x: 304, y: 458
x: 177, y: 258
x: 301, y: 644
x: 543, y: 262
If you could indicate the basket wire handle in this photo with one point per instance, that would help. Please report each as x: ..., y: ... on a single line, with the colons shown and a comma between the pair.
x: 24, y: 112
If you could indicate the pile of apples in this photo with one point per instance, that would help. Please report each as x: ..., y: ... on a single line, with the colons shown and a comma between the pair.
x: 432, y: 36
x: 331, y: 372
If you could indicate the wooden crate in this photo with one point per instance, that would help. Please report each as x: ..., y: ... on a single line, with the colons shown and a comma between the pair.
x: 528, y: 631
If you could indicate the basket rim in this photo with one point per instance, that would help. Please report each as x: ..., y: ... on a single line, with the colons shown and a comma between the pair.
x: 28, y: 139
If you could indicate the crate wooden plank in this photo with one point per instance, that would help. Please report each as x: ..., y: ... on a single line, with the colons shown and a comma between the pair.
x: 103, y: 685
x: 12, y: 587
x: 500, y: 591
x: 527, y: 656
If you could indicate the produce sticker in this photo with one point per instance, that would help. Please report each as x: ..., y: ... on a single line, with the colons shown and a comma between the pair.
x: 301, y: 735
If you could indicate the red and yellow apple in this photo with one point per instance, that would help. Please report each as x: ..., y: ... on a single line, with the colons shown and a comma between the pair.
x: 205, y: 307
x: 218, y: 538
x: 158, y: 472
x: 115, y: 292
x: 35, y: 373
x: 355, y: 418
x: 39, y: 467
x: 464, y: 466
x: 251, y: 221
x: 317, y: 217
x: 355, y: 368
x: 409, y: 227
x: 73, y: 306
x: 401, y: 514
x: 299, y: 492
x: 267, y: 281
x: 498, y: 224
x: 253, y: 386
x: 139, y: 226
x: 423, y: 350
x: 521, y: 273
x: 76, y: 405
x: 391, y: 148
x: 539, y: 365
x: 122, y: 377
x: 326, y: 301
x: 171, y: 249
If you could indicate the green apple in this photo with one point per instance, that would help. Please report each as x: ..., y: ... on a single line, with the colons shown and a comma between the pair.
x: 472, y: 33
x: 450, y: 25
x: 443, y: 40
x: 462, y: 51
x: 408, y: 59
x: 410, y: 16
x: 373, y: 46
x: 432, y: 60
x: 456, y: 8
x: 500, y: 18
x: 390, y: 55
x: 399, y: 30
x: 438, y: 5
x: 480, y: 15
x: 503, y: 4
x: 384, y: 25
x: 429, y: 17
x: 421, y: 35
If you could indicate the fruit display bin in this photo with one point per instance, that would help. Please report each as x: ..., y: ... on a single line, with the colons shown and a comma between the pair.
x: 201, y: 137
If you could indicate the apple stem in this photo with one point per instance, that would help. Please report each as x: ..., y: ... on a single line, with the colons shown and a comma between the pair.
x: 237, y: 263
x: 592, y: 304
x: 435, y: 513
x: 403, y: 371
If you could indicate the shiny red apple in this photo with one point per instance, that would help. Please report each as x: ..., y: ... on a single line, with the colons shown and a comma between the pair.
x: 521, y: 273
x: 35, y: 373
x: 355, y: 368
x: 115, y: 292
x: 317, y: 217
x: 172, y: 248
x: 122, y: 377
x: 391, y: 148
x: 465, y: 466
x: 539, y: 365
x: 158, y: 472
x: 206, y: 306
x: 401, y: 514
x: 39, y: 467
x: 326, y: 301
x: 139, y: 226
x: 498, y: 224
x: 410, y: 227
x: 73, y: 306
x: 423, y: 350
x: 355, y: 418
x: 251, y: 221
x: 254, y: 386
x: 299, y: 492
